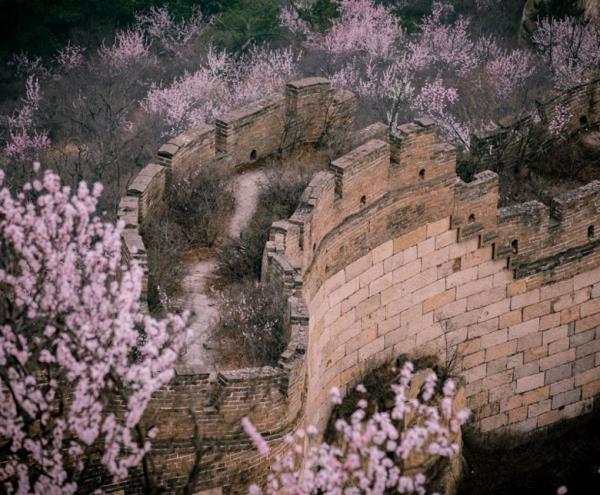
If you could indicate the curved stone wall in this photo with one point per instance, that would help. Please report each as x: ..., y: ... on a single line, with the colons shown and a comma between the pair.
x: 389, y: 252
x: 399, y: 255
x: 200, y: 409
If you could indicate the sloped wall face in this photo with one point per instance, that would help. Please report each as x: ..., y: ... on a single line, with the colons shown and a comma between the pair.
x: 399, y: 256
x: 528, y: 351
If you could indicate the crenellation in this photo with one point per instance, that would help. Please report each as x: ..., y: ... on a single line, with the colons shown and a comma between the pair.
x: 514, y: 139
x: 426, y: 264
x: 187, y: 150
x: 475, y: 207
x: 251, y: 132
x: 378, y: 130
x: 307, y: 104
x: 361, y: 176
x: 128, y: 212
x: 411, y: 149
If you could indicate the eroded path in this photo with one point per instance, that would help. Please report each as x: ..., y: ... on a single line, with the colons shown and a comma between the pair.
x: 198, y: 300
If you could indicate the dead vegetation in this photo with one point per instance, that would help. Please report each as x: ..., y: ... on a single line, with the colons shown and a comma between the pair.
x: 250, y: 331
x: 195, y: 212
x: 570, y: 163
x: 240, y: 258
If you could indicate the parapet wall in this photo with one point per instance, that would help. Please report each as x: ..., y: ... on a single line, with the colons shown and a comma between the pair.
x: 389, y: 252
x: 516, y: 139
x: 204, y: 409
x: 305, y: 114
x: 399, y: 255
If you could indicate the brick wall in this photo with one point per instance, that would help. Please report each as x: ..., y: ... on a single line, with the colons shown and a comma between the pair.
x: 389, y: 252
x: 208, y: 407
x: 307, y: 112
x: 517, y: 138
x: 398, y: 255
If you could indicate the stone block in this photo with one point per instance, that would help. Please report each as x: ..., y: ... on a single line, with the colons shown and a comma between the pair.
x: 411, y: 239
x: 530, y: 382
x: 559, y: 373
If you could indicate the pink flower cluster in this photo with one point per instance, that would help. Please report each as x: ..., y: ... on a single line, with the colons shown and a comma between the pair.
x: 79, y: 360
x: 559, y: 121
x: 160, y: 26
x: 571, y: 47
x: 221, y: 84
x: 361, y: 26
x: 372, y: 449
x: 129, y: 47
x: 401, y: 73
x: 25, y: 141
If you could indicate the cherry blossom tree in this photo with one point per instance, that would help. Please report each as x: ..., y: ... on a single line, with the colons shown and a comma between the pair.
x: 509, y: 71
x: 25, y: 140
x: 401, y: 74
x: 375, y: 451
x: 162, y: 28
x: 79, y: 359
x: 129, y: 47
x: 361, y: 27
x: 88, y: 101
x: 223, y: 82
x: 570, y: 46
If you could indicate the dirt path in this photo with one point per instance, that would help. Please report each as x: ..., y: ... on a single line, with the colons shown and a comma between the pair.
x: 197, y: 299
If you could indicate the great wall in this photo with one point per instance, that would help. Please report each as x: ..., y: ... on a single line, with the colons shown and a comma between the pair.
x: 388, y: 253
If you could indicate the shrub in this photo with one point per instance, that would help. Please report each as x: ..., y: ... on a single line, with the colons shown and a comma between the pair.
x: 250, y: 331
x: 567, y: 159
x: 200, y: 204
x: 240, y: 258
x: 166, y: 247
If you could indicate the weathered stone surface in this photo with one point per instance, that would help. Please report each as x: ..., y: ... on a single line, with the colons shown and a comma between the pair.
x: 388, y: 253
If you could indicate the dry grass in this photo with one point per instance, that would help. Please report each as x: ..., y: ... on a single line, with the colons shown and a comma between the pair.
x: 240, y: 258
x: 250, y: 331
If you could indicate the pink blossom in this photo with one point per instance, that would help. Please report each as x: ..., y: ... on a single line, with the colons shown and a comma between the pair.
x: 162, y: 27
x: 434, y: 101
x: 559, y: 121
x: 509, y: 71
x: 70, y: 56
x: 448, y: 44
x: 220, y: 85
x: 129, y: 47
x: 361, y: 26
x: 255, y: 436
x: 367, y: 458
x: 74, y: 328
x: 25, y: 140
x: 571, y: 47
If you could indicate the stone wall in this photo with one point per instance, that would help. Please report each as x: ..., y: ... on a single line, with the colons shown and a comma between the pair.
x: 305, y: 114
x: 515, y: 139
x: 399, y: 255
x: 144, y: 198
x: 204, y: 409
x: 389, y: 252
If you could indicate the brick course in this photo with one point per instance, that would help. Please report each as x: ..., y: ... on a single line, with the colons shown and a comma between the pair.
x: 388, y: 253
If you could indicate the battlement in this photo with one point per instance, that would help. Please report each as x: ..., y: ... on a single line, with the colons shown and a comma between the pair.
x: 246, y: 135
x: 389, y: 252
x: 514, y: 139
x: 399, y: 255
